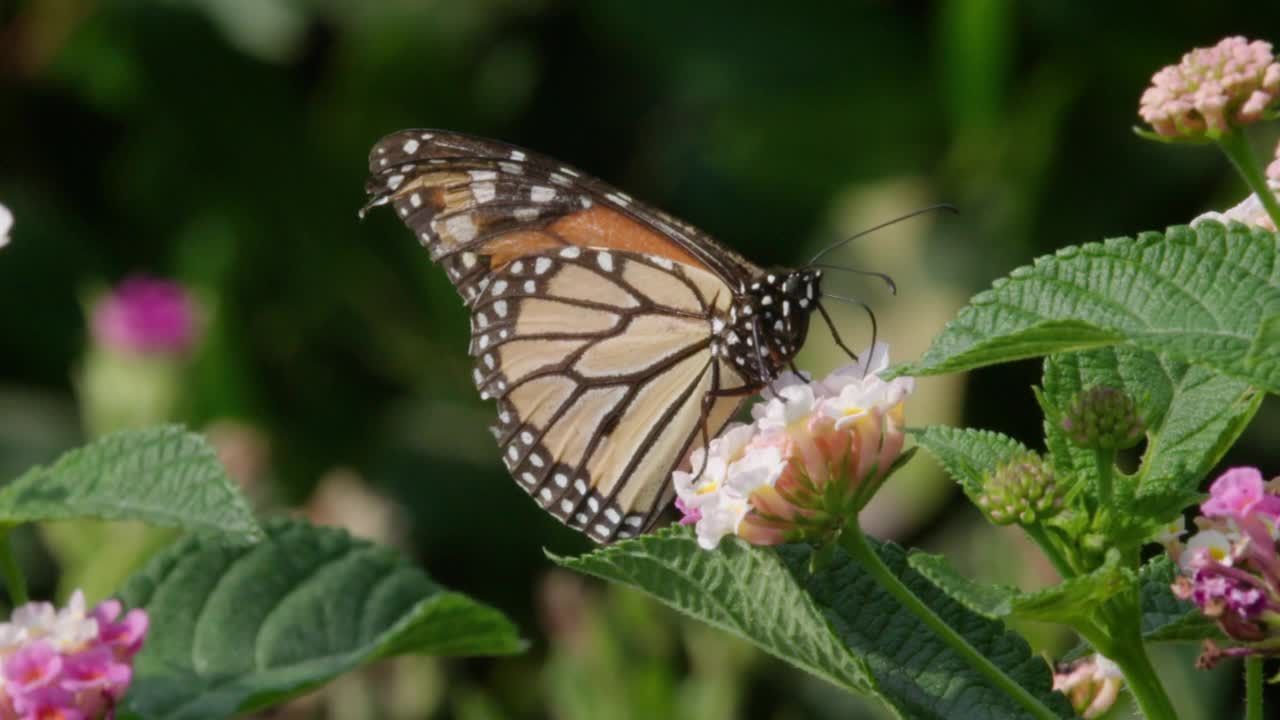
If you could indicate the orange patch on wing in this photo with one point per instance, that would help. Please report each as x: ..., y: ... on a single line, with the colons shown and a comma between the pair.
x: 601, y: 227
x: 514, y: 245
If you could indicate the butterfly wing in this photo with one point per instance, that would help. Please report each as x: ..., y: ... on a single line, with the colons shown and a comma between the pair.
x: 591, y: 320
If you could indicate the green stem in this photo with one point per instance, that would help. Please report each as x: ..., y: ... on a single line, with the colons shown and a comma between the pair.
x: 13, y: 578
x: 1051, y: 550
x: 1105, y: 462
x: 855, y: 543
x: 1253, y: 687
x: 1127, y: 650
x: 1236, y: 147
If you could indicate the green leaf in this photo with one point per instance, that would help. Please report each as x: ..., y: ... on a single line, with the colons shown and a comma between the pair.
x: 241, y: 628
x: 990, y: 601
x: 1075, y: 597
x: 1166, y: 618
x: 1208, y: 295
x: 1193, y: 416
x: 161, y: 476
x: 968, y: 455
x: 1062, y: 603
x: 838, y: 624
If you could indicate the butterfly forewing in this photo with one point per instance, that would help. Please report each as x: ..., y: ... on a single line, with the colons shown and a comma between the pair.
x: 592, y: 320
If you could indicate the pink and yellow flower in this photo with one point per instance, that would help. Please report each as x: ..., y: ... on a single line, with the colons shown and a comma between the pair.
x: 67, y: 663
x: 813, y: 456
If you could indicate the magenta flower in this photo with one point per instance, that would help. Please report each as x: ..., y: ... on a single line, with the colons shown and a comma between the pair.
x: 67, y: 664
x: 1238, y: 493
x: 146, y: 316
x: 1232, y: 83
x: 34, y: 666
x: 1231, y: 568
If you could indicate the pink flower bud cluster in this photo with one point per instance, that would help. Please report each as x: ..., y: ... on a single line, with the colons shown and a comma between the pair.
x: 1232, y: 83
x: 813, y: 456
x: 67, y: 664
x: 1230, y: 565
x: 146, y: 316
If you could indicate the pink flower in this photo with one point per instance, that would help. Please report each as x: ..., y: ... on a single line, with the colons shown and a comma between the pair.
x: 1239, y: 493
x: 67, y: 663
x: 1230, y: 567
x: 96, y: 669
x: 35, y: 665
x: 146, y: 316
x: 1233, y: 83
x: 813, y: 457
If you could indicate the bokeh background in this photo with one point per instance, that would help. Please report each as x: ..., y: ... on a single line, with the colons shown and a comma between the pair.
x: 222, y: 144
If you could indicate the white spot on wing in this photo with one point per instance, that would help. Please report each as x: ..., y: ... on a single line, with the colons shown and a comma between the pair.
x: 526, y: 214
x: 605, y: 261
x: 570, y: 252
x: 541, y: 265
x: 541, y: 193
x: 394, y: 181
x: 484, y: 192
x: 517, y: 155
x: 410, y: 146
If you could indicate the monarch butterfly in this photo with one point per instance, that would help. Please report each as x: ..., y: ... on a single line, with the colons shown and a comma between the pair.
x: 611, y: 335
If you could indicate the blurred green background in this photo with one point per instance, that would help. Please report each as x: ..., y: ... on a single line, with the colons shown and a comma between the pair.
x: 222, y: 143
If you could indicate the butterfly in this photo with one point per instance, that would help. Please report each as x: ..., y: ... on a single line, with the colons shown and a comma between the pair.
x: 611, y: 335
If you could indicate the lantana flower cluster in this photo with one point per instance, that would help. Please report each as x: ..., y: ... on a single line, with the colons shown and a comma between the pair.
x: 814, y: 454
x: 1232, y: 83
x: 1230, y: 565
x: 67, y: 664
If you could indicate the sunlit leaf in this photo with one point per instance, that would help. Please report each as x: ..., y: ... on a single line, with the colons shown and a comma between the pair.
x: 161, y: 476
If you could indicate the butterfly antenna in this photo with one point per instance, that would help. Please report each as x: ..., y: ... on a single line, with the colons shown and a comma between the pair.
x: 835, y: 334
x: 908, y: 216
x: 893, y: 286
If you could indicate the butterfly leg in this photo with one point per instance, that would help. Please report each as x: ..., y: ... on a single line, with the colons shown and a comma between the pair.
x: 835, y: 334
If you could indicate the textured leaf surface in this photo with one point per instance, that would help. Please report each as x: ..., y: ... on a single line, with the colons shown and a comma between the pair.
x: 1209, y: 295
x: 968, y: 455
x: 1072, y: 598
x: 162, y: 476
x: 239, y: 628
x: 838, y: 624
x: 1193, y: 416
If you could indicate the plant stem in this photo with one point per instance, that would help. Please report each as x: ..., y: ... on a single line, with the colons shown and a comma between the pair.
x: 1050, y: 549
x: 1253, y: 688
x: 1235, y: 146
x: 1131, y: 656
x: 855, y: 543
x: 13, y: 578
x: 1105, y: 462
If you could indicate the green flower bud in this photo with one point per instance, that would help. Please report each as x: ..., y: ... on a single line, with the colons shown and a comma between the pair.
x: 1021, y: 491
x: 1103, y: 418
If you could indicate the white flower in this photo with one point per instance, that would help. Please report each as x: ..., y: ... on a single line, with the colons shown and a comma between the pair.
x: 1209, y: 544
x: 6, y: 224
x: 1250, y: 212
x: 1171, y: 532
x: 796, y: 402
x: 699, y: 489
